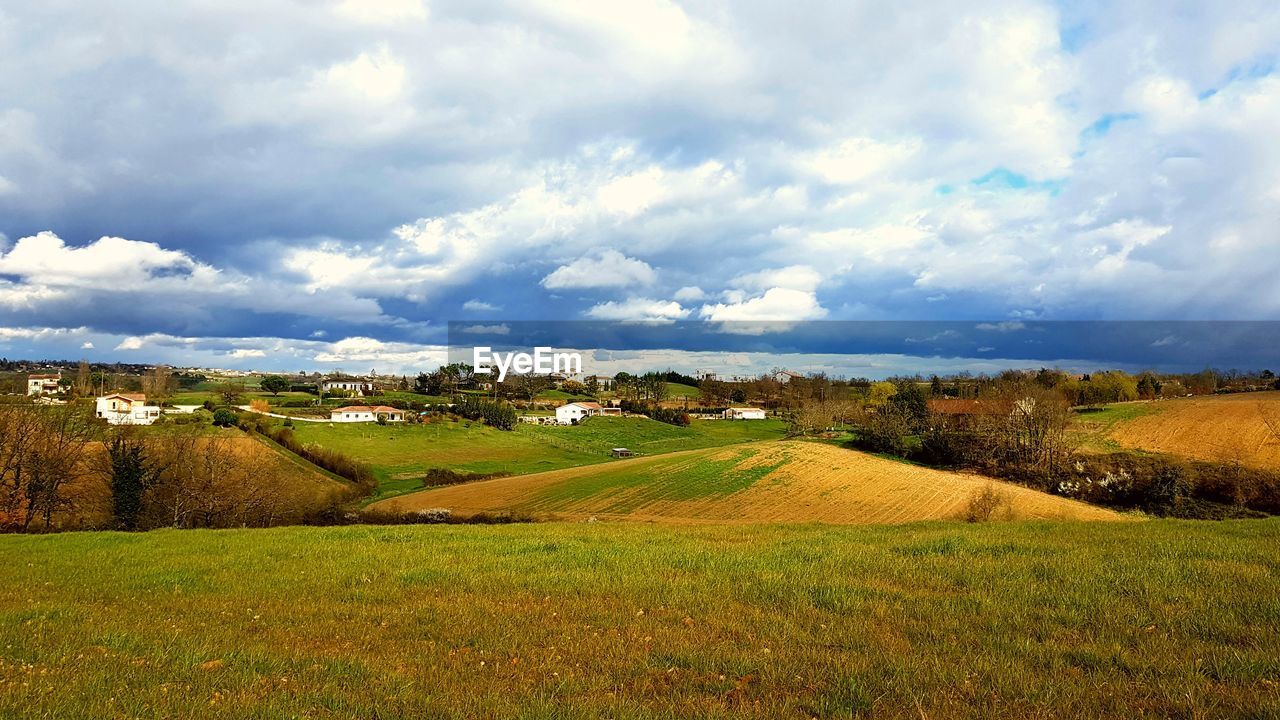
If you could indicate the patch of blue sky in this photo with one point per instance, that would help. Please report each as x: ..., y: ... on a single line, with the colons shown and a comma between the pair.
x: 1074, y: 37
x: 1252, y: 70
x: 1103, y: 125
x: 1005, y: 179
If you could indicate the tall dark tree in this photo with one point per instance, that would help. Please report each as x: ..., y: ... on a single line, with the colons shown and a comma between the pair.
x: 131, y: 475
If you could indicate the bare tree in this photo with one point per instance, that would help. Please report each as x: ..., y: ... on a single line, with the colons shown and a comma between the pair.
x: 42, y: 452
x: 84, y: 379
x: 157, y: 384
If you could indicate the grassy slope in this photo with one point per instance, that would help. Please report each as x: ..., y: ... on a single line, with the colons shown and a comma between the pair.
x: 795, y: 481
x: 1093, y: 426
x: 680, y: 390
x: 1160, y: 618
x: 400, y: 454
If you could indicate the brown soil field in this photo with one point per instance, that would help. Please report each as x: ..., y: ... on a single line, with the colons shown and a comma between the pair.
x: 1243, y: 427
x: 790, y: 481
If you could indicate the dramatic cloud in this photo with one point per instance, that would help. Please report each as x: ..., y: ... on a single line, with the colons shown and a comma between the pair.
x: 366, y: 171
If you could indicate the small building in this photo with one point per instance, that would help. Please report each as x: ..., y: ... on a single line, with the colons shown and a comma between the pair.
x: 346, y: 384
x: 126, y: 409
x: 744, y: 413
x: 43, y: 384
x: 574, y: 412
x: 786, y: 376
x: 622, y: 452
x: 366, y: 413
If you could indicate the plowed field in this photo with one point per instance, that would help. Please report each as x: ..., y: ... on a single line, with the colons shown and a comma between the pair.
x: 1244, y: 428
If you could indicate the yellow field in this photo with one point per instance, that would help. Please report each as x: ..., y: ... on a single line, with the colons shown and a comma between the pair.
x: 791, y: 481
x: 1243, y: 427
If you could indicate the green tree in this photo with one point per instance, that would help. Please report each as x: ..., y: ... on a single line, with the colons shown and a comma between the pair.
x: 225, y: 417
x: 911, y: 403
x: 275, y: 384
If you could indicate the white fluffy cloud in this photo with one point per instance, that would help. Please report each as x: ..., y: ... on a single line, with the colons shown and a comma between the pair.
x: 776, y: 304
x: 638, y: 309
x: 607, y: 269
x: 143, y: 277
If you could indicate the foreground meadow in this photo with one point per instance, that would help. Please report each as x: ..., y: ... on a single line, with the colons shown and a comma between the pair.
x: 1036, y: 619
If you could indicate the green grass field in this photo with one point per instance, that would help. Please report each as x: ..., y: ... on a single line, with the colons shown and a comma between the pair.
x: 680, y: 390
x: 936, y: 620
x: 401, y: 454
x: 706, y: 478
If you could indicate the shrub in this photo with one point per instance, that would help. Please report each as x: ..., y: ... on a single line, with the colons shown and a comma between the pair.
x: 437, y: 477
x: 225, y: 417
x: 501, y: 415
x: 886, y: 430
x: 670, y: 416
x: 433, y: 515
x: 331, y: 460
x: 984, y: 503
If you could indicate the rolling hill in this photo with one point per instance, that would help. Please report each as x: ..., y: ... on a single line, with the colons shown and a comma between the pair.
x: 790, y: 481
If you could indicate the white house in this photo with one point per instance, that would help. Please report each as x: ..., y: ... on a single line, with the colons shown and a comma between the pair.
x: 127, y: 409
x: 575, y: 412
x: 603, y: 382
x: 358, y: 386
x: 744, y: 413
x: 43, y: 384
x: 366, y: 413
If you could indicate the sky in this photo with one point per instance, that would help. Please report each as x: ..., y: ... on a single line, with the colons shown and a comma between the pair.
x: 294, y: 185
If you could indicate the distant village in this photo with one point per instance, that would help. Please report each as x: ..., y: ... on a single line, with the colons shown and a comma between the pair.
x: 142, y: 395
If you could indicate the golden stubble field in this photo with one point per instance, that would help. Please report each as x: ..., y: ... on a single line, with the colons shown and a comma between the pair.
x: 791, y: 481
x: 1244, y: 428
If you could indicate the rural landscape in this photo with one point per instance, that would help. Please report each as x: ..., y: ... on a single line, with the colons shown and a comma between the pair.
x: 960, y: 532
x: 639, y: 360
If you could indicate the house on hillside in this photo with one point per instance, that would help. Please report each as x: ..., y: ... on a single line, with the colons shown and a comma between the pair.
x: 603, y: 382
x: 366, y: 413
x: 744, y: 413
x: 126, y: 409
x: 786, y: 376
x: 346, y: 384
x: 43, y: 384
x: 575, y: 412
